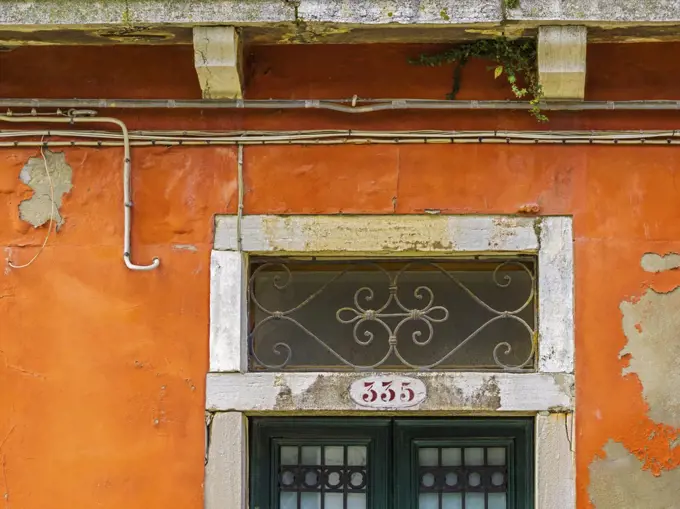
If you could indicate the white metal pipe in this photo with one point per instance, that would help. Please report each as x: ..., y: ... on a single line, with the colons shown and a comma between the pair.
x: 127, y: 170
x: 340, y: 105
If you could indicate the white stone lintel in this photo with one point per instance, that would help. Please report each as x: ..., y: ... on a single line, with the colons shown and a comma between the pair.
x: 378, y: 234
x: 218, y: 61
x: 562, y: 61
x: 451, y: 392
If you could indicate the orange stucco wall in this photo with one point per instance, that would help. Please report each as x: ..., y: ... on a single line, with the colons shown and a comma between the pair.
x: 102, y: 369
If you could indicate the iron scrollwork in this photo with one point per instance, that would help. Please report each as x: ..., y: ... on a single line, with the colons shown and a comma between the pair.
x: 391, y: 316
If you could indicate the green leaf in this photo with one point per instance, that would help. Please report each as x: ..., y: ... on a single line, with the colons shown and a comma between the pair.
x: 498, y: 71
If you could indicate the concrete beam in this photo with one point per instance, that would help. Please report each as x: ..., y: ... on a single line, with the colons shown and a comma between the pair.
x: 99, y: 22
x: 236, y: 12
x: 360, y: 12
x: 562, y: 61
x: 217, y: 57
x: 589, y: 11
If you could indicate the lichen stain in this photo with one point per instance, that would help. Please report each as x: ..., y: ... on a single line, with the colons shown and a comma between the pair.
x: 324, y: 393
x: 331, y: 391
x: 618, y: 481
x: 652, y: 327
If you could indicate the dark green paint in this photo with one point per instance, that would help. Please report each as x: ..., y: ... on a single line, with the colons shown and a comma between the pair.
x: 391, y: 442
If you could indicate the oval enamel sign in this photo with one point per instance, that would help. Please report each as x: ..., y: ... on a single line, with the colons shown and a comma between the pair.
x: 388, y: 392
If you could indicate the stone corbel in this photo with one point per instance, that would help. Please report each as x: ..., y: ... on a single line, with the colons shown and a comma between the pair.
x: 218, y: 62
x: 562, y: 61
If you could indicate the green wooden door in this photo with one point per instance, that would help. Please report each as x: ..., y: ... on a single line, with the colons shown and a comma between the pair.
x: 379, y: 463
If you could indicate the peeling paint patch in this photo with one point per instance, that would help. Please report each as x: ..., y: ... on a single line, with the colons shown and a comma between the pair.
x: 652, y: 262
x: 37, y: 209
x: 617, y: 481
x: 185, y: 247
x: 652, y: 325
x: 675, y: 443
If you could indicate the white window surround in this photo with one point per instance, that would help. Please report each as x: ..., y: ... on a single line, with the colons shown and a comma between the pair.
x: 546, y: 393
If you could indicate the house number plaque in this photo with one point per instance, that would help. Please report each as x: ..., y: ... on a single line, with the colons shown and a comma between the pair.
x: 388, y: 392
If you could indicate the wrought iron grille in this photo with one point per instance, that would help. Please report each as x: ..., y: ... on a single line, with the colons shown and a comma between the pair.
x: 393, y: 315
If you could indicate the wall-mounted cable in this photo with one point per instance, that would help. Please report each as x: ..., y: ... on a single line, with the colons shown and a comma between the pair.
x: 51, y: 218
x: 75, y: 118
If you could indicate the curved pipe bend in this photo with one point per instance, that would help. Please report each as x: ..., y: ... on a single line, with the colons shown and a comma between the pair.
x: 127, y: 170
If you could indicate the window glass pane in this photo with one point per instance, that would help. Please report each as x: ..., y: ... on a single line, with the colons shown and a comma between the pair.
x: 287, y: 478
x: 311, y: 500
x: 474, y: 501
x: 451, y: 457
x: 497, y: 501
x: 356, y: 455
x: 289, y: 455
x: 333, y: 501
x: 334, y: 455
x: 307, y: 314
x: 428, y: 501
x: 474, y: 456
x: 427, y: 480
x: 496, y: 455
x: 451, y: 479
x: 428, y: 457
x: 288, y: 500
x: 356, y: 501
x: 312, y: 478
x: 311, y: 456
x: 452, y: 501
x: 474, y: 479
x: 357, y: 479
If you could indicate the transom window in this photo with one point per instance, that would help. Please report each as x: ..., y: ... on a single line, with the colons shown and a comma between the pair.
x: 451, y: 314
x: 391, y: 463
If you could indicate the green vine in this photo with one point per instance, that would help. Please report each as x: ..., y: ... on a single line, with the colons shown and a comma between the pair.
x: 514, y: 58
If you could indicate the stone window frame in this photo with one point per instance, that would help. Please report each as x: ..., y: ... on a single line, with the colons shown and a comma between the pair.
x: 233, y: 393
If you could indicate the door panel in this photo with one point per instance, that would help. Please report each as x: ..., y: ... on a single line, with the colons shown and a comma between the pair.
x: 463, y: 463
x: 320, y: 463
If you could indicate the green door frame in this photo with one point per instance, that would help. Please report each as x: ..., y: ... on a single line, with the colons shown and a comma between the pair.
x: 388, y: 439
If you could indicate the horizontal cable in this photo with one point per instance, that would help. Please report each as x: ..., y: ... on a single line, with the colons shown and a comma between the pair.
x: 92, y: 138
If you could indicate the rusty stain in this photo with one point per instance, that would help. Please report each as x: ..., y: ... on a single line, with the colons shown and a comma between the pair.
x: 529, y: 208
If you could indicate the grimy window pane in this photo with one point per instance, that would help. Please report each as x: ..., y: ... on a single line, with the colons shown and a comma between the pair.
x: 404, y: 315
